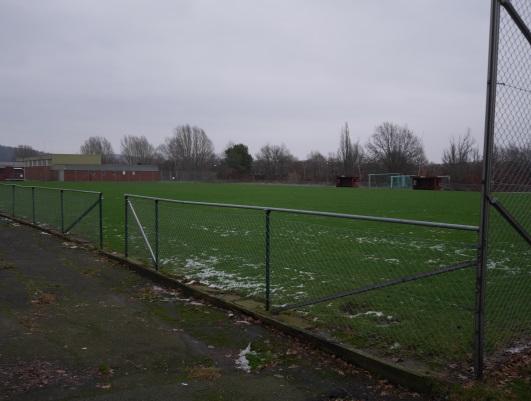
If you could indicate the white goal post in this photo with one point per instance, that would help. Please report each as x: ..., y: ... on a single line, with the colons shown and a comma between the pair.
x: 445, y: 181
x: 401, y: 182
x: 381, y: 180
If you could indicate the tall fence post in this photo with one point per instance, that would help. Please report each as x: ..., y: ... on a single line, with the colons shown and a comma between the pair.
x: 126, y: 233
x: 479, y: 324
x: 33, y: 218
x: 100, y: 207
x: 62, y: 196
x: 267, y: 259
x: 156, y: 234
x: 13, y: 200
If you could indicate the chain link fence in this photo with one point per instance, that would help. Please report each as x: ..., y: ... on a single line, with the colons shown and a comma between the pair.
x: 66, y: 210
x: 422, y: 294
x: 506, y: 223
x: 398, y: 289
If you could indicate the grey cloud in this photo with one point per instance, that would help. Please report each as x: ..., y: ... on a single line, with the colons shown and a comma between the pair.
x: 250, y: 71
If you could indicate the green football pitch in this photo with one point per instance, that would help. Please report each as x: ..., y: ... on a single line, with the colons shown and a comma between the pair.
x: 449, y: 207
x: 429, y: 320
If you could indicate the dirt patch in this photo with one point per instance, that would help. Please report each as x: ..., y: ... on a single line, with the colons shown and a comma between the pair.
x: 44, y: 298
x: 515, y: 367
x: 26, y: 376
x: 204, y: 373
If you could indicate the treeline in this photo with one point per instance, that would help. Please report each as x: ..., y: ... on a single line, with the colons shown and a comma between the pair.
x: 188, y: 154
x: 11, y: 154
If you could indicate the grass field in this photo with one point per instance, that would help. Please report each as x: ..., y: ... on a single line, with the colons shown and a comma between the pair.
x: 429, y: 320
x: 450, y: 207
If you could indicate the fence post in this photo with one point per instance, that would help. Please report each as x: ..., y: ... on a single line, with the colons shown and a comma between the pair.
x: 156, y: 234
x: 479, y: 323
x: 13, y: 200
x: 101, y: 219
x: 267, y: 260
x: 33, y: 219
x: 62, y: 211
x: 126, y: 207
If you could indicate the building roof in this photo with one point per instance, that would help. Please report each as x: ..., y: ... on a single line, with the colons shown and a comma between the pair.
x: 75, y: 159
x: 11, y: 164
x: 40, y: 157
x: 105, y: 167
x: 64, y: 158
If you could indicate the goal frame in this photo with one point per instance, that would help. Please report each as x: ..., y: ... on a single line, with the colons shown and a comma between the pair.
x: 401, y: 176
x: 380, y: 174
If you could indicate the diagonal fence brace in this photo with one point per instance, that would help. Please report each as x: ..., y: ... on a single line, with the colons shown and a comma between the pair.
x: 517, y: 19
x: 142, y: 232
x: 520, y: 229
x: 81, y: 217
x: 388, y: 283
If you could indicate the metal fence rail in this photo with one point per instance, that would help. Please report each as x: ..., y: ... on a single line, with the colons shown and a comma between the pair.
x: 69, y: 211
x: 400, y: 288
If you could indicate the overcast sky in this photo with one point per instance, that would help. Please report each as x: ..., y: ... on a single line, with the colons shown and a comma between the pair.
x: 287, y: 71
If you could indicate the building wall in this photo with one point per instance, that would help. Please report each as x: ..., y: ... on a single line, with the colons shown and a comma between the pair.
x: 41, y: 173
x: 9, y: 173
x: 428, y: 183
x: 44, y: 173
x: 78, y: 175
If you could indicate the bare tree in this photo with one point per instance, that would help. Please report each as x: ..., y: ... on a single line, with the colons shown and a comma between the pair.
x: 137, y: 150
x: 476, y: 156
x: 349, y: 154
x: 189, y: 149
x: 274, y: 161
x: 333, y: 165
x: 395, y: 148
x: 462, y: 161
x: 511, y: 166
x: 316, y: 167
x: 461, y: 150
x: 22, y: 151
x: 98, y: 145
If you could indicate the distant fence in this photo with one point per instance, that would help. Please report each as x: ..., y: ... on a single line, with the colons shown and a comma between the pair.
x: 392, y: 287
x: 66, y: 210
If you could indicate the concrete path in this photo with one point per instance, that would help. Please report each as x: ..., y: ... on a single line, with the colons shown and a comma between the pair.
x: 75, y: 326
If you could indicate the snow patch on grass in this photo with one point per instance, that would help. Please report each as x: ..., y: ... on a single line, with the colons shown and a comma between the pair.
x: 205, y: 271
x: 393, y: 261
x: 242, y: 362
x: 369, y: 313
